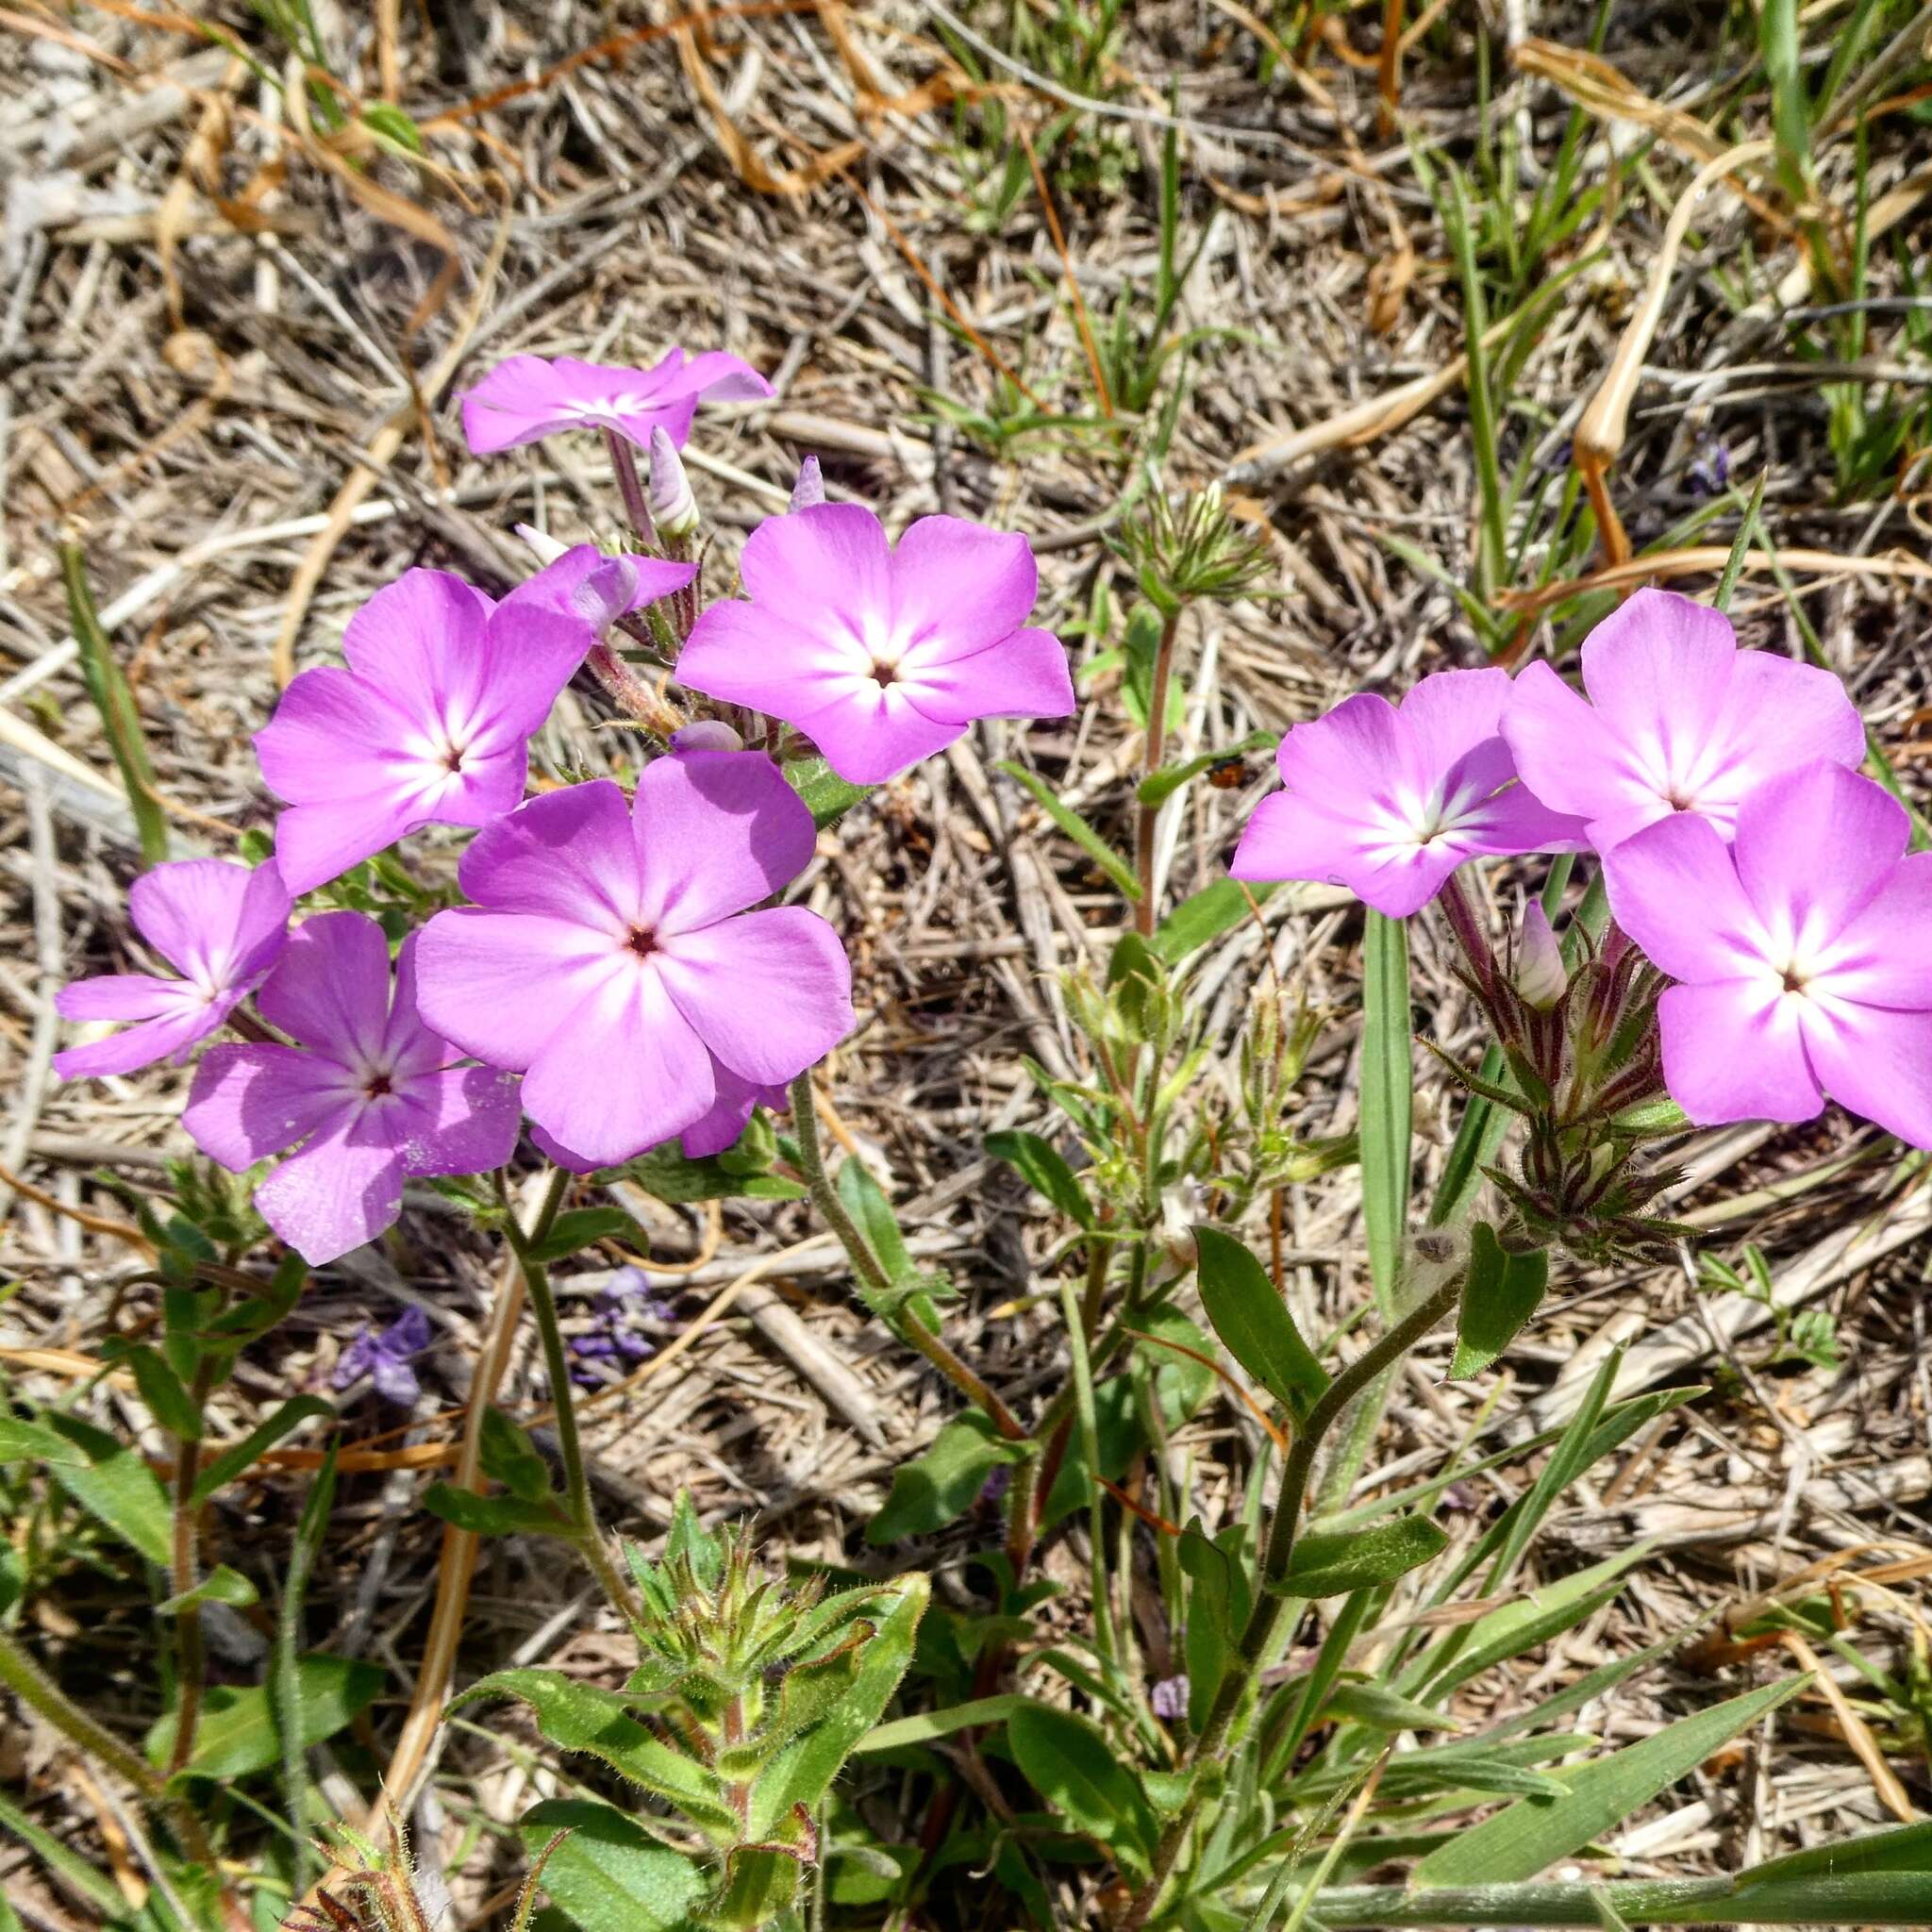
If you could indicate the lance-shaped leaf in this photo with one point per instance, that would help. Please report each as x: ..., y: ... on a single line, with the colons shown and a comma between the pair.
x: 1499, y: 1294
x: 1251, y: 1318
x: 609, y: 1874
x: 1337, y: 1565
x: 1071, y: 1763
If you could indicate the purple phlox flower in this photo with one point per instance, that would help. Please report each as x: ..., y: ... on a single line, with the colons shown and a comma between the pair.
x: 219, y: 924
x: 1677, y: 720
x: 610, y: 955
x: 367, y: 1094
x: 810, y: 488
x: 880, y: 656
x: 613, y: 1339
x: 430, y: 724
x: 582, y: 582
x: 1389, y: 800
x: 1167, y: 1699
x: 1800, y: 953
x: 525, y: 397
x: 386, y: 1357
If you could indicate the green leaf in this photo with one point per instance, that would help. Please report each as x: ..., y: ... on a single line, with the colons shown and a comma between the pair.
x: 219, y: 1585
x: 509, y: 1458
x: 29, y: 1443
x: 1500, y: 1293
x: 493, y: 1515
x: 236, y: 1736
x: 1334, y: 1565
x: 1079, y: 830
x: 932, y: 1490
x: 904, y: 1733
x: 1071, y: 1764
x: 1045, y: 1171
x: 580, y: 1228
x: 582, y: 1717
x: 107, y: 685
x: 609, y: 1874
x: 1210, y: 912
x: 116, y: 1486
x: 1533, y: 1833
x: 1157, y: 787
x: 222, y: 1470
x: 866, y: 1201
x: 1217, y: 1609
x: 167, y: 1401
x: 667, y: 1175
x: 1250, y: 1316
x: 1388, y: 1085
x: 827, y: 796
x: 1382, y: 1709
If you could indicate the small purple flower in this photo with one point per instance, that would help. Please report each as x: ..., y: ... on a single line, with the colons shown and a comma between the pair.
x: 880, y: 656
x: 368, y: 1091
x: 1167, y: 1699
x: 613, y: 1342
x: 1677, y: 720
x: 1710, y: 468
x: 610, y: 957
x: 525, y: 397
x: 386, y: 1357
x: 431, y: 722
x: 810, y: 486
x: 222, y: 927
x: 1389, y: 800
x: 1799, y: 952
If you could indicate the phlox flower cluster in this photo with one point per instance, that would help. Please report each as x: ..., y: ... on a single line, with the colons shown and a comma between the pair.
x: 1740, y: 847
x: 620, y: 976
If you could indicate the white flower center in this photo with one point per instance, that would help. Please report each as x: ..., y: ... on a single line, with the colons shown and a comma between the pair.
x: 622, y: 402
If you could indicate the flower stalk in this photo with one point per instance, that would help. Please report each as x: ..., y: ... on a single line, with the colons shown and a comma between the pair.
x: 1147, y: 817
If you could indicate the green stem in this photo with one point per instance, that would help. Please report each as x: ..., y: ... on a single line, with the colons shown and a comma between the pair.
x: 190, y: 1653
x: 871, y: 1269
x: 576, y: 1485
x: 1146, y: 912
x: 1256, y: 1640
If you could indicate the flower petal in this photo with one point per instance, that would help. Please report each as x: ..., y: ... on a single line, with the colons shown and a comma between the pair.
x: 315, y: 843
x: 1024, y: 675
x: 1880, y: 958
x: 958, y: 586
x: 249, y: 1102
x: 216, y: 922
x: 716, y: 831
x: 1814, y: 845
x: 1358, y: 760
x: 824, y: 567
x: 720, y: 1127
x: 875, y: 733
x: 1569, y: 758
x: 1733, y: 1051
x: 585, y: 583
x: 714, y: 376
x: 770, y: 994
x: 749, y: 654
x: 569, y: 854
x: 1288, y: 838
x: 339, y: 1193
x: 1659, y: 670
x: 1674, y: 889
x: 1875, y: 1062
x: 142, y: 1045
x: 625, y: 1073
x: 456, y: 1120
x: 419, y: 641
x: 121, y: 996
x: 330, y: 988
x: 1450, y: 712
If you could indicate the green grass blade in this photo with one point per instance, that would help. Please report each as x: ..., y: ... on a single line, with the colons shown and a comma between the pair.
x: 1386, y: 1099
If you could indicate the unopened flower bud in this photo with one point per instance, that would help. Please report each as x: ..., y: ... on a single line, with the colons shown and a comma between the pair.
x: 1540, y: 977
x: 706, y: 734
x: 673, y: 508
x: 810, y: 487
x: 546, y: 547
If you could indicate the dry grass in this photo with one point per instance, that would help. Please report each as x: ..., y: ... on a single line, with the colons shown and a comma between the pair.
x: 230, y: 343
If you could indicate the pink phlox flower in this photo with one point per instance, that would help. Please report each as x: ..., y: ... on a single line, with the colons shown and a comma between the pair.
x: 367, y: 1094
x: 1677, y: 720
x: 431, y: 722
x: 711, y: 1133
x: 525, y: 397
x: 880, y: 656
x: 610, y: 955
x: 1390, y: 799
x: 1800, y: 953
x: 583, y: 582
x: 219, y: 924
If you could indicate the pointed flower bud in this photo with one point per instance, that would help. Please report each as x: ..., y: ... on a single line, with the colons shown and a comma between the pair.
x: 706, y: 734
x: 810, y: 487
x: 546, y: 547
x: 673, y: 508
x: 1540, y: 977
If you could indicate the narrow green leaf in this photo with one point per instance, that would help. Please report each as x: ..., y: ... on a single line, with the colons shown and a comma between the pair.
x: 1383, y: 1710
x: 1251, y: 1319
x: 976, y: 1713
x: 827, y: 796
x: 493, y: 1515
x: 1535, y: 1832
x: 219, y: 1585
x: 1158, y: 787
x: 1334, y: 1565
x: 1211, y: 911
x: 509, y: 1456
x: 222, y: 1470
x: 285, y: 1660
x: 1070, y: 1763
x: 1078, y: 829
x: 1740, y: 547
x: 667, y: 1175
x: 29, y: 1443
x: 1388, y: 1085
x: 116, y: 1486
x: 1500, y: 1293
x: 580, y: 1228
x: 236, y: 1734
x: 609, y: 1874
x: 167, y: 1401
x: 1045, y: 1171
x: 934, y: 1488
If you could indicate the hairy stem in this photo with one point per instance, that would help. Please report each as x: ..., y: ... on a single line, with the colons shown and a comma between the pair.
x: 190, y: 1653
x: 576, y: 1485
x: 1146, y: 912
x: 1472, y: 934
x: 1256, y: 1640
x: 630, y: 487
x: 871, y: 1269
